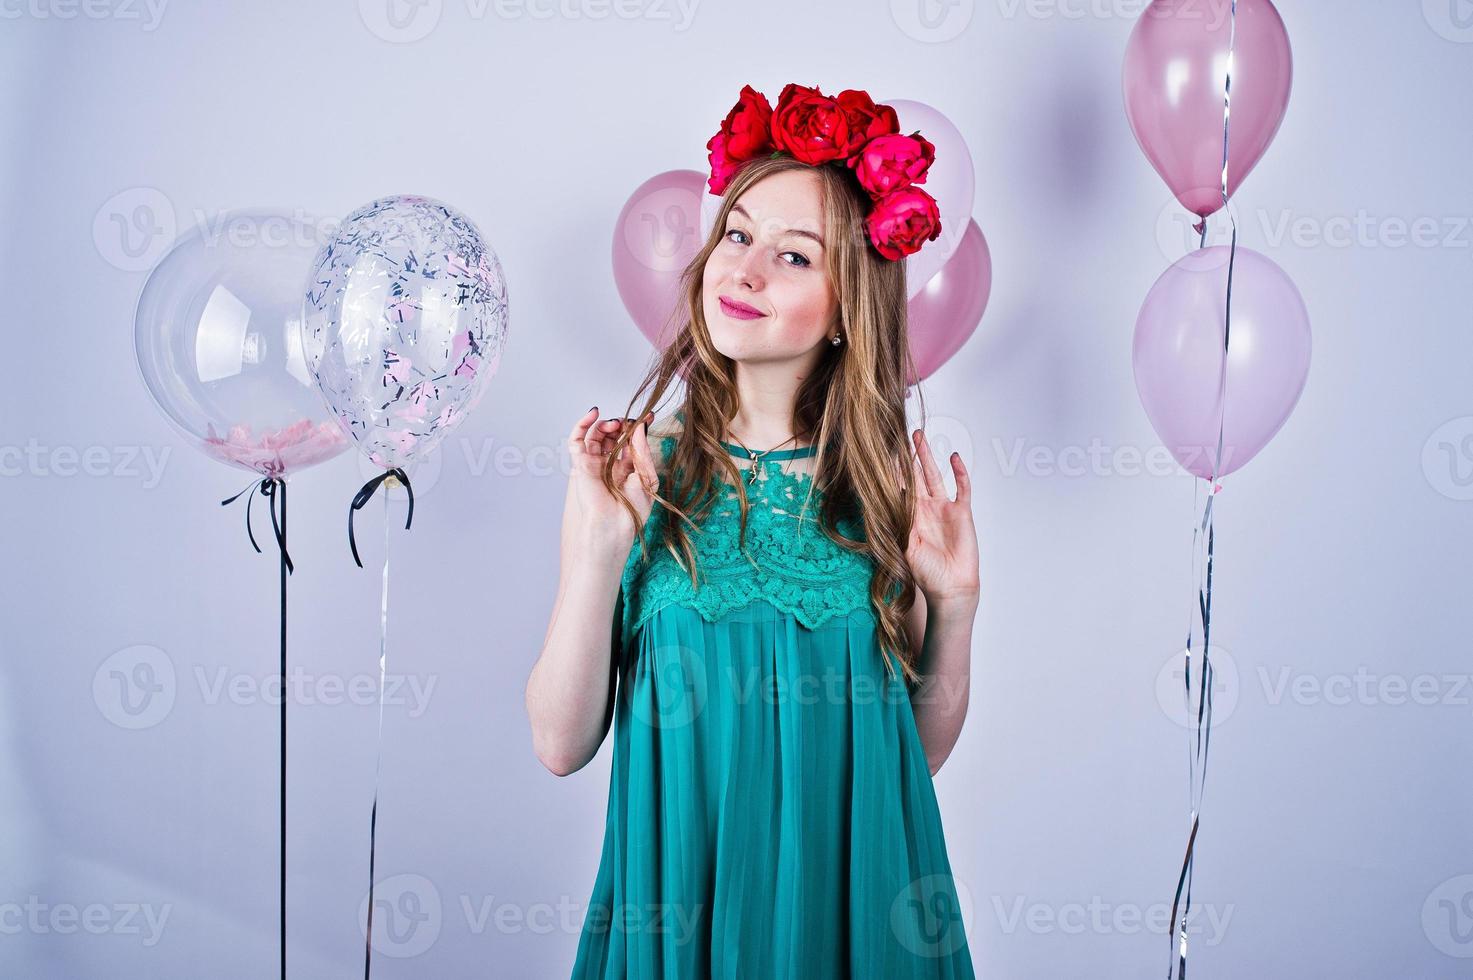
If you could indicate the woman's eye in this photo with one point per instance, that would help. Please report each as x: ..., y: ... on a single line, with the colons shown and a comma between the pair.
x: 801, y: 261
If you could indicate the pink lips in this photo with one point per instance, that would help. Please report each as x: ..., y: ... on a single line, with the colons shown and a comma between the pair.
x: 739, y: 310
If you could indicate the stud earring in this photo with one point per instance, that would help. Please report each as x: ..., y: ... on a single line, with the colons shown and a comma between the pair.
x: 836, y: 340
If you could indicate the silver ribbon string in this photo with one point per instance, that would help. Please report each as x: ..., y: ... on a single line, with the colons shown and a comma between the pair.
x: 383, y: 654
x: 1202, y: 532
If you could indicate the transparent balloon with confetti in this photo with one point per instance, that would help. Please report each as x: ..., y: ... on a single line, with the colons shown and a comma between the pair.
x: 404, y: 322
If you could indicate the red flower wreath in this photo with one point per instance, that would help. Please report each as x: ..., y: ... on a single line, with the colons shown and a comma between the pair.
x: 851, y: 130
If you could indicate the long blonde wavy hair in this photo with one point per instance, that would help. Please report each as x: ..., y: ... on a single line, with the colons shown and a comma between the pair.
x: 852, y: 407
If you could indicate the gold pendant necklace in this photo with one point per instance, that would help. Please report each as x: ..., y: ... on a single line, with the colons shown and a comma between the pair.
x: 756, y: 456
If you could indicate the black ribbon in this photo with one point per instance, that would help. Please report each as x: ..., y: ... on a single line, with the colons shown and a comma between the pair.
x: 365, y: 494
x: 273, y: 488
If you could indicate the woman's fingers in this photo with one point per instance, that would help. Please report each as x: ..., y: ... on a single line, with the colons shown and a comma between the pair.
x: 934, y: 486
x: 918, y: 479
x: 580, y: 429
x: 644, y: 460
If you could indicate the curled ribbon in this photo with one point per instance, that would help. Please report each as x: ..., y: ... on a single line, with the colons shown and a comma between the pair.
x: 1197, y: 760
x: 273, y: 488
x: 365, y: 494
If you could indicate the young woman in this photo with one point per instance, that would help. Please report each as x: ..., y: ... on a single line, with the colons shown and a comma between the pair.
x: 772, y: 599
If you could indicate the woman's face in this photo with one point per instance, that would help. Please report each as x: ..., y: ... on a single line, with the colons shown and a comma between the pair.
x: 766, y: 292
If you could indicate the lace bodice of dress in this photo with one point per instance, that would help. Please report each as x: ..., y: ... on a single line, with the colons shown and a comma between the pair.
x: 789, y: 562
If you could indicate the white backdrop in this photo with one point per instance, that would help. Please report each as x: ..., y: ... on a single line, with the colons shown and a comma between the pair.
x: 1335, y: 833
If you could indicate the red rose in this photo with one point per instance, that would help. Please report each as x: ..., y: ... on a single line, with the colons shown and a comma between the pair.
x: 809, y: 125
x: 888, y: 163
x: 902, y: 221
x: 746, y: 125
x: 866, y: 119
x: 743, y: 135
x: 723, y: 167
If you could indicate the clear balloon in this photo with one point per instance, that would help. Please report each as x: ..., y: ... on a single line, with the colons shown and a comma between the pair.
x: 660, y: 229
x: 404, y: 323
x: 951, y: 180
x: 946, y: 312
x: 1178, y: 357
x: 1174, y: 81
x: 217, y: 336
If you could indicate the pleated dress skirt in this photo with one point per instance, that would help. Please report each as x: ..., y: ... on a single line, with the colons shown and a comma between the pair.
x: 771, y: 812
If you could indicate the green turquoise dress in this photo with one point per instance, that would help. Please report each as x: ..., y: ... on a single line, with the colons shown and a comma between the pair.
x: 771, y: 813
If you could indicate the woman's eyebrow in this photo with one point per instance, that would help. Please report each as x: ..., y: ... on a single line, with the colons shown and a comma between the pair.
x: 785, y: 231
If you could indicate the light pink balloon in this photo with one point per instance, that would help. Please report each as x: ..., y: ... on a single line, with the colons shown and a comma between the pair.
x: 1174, y: 79
x: 946, y: 312
x: 656, y: 236
x: 1178, y: 353
x: 951, y: 180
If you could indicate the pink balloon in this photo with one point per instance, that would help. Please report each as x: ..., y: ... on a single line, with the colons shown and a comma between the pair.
x: 657, y: 234
x: 1178, y: 355
x: 947, y: 310
x: 1174, y: 80
x: 951, y: 180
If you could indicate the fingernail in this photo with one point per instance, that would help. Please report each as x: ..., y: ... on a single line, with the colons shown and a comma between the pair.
x: 593, y: 409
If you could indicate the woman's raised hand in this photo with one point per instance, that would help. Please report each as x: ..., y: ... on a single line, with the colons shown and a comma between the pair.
x: 602, y: 519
